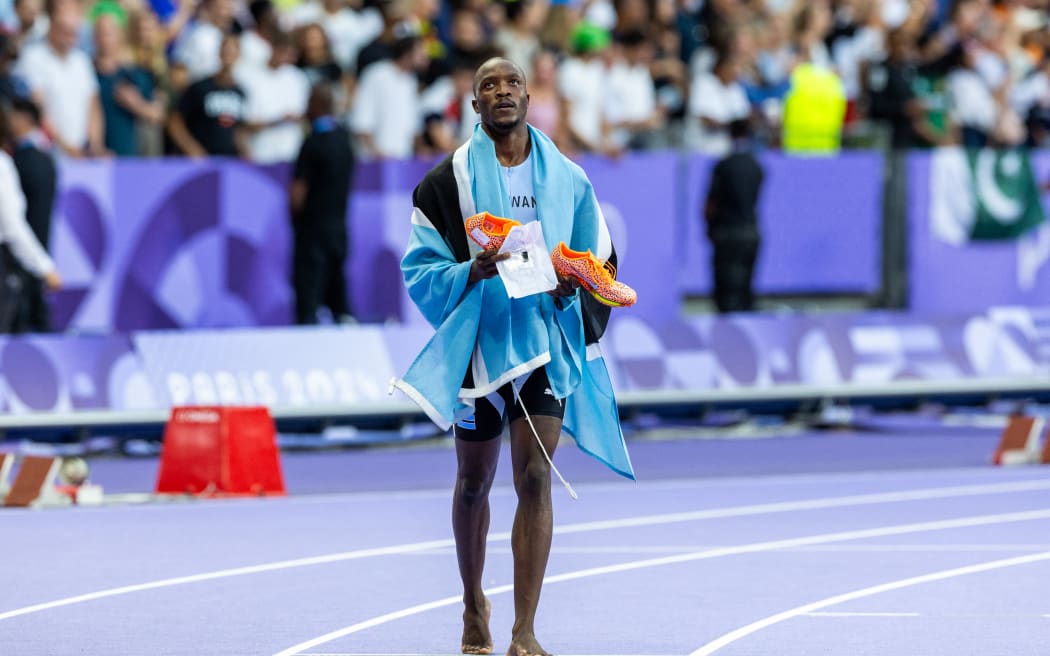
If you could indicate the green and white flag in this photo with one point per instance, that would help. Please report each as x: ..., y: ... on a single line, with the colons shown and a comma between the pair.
x: 982, y: 195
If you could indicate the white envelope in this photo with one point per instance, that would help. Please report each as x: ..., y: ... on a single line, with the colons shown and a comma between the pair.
x: 528, y: 270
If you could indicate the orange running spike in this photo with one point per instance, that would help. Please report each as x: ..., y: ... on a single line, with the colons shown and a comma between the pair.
x: 487, y: 230
x: 597, y: 277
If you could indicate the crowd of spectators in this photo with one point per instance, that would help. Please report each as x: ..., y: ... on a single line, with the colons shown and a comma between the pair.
x: 230, y: 77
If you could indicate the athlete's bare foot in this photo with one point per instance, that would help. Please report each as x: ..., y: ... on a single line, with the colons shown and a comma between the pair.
x: 476, y: 636
x: 526, y: 646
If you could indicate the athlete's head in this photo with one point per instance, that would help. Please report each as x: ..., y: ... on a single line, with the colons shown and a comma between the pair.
x: 500, y: 95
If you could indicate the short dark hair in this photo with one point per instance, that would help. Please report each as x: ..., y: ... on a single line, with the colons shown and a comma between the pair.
x: 739, y: 128
x: 631, y: 38
x: 259, y: 9
x: 26, y: 106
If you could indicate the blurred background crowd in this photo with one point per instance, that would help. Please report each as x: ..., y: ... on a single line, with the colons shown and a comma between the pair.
x: 233, y: 77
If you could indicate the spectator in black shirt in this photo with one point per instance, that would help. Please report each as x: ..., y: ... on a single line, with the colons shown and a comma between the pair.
x: 36, y: 172
x: 891, y: 88
x: 318, y: 199
x: 732, y: 222
x: 210, y: 114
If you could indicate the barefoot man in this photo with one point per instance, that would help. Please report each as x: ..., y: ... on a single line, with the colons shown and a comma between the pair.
x: 533, y: 362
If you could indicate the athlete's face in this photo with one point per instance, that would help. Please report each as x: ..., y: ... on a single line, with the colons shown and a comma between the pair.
x: 500, y: 96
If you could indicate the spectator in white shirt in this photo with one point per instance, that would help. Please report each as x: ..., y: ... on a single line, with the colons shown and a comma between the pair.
x: 276, y: 99
x: 387, y: 116
x: 716, y: 99
x: 62, y: 81
x: 18, y: 244
x: 255, y: 42
x: 198, y: 49
x: 632, y: 112
x: 583, y: 83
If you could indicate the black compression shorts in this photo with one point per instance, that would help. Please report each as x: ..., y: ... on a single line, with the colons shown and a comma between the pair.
x: 489, y: 412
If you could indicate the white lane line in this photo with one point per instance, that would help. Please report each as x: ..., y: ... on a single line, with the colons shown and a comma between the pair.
x: 843, y: 614
x: 836, y: 548
x: 767, y: 622
x: 900, y: 529
x: 751, y: 482
x: 644, y: 520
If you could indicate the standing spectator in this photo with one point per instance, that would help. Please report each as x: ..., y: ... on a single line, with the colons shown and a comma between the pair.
x: 125, y: 90
x: 448, y: 112
x: 716, y: 100
x: 11, y: 86
x: 318, y: 64
x: 256, y: 42
x: 395, y: 27
x: 972, y: 103
x: 31, y: 23
x: 812, y: 24
x: 732, y: 222
x: 318, y: 197
x: 387, y: 114
x: 632, y: 112
x: 891, y: 88
x: 348, y: 30
x: 148, y: 44
x: 20, y: 250
x: 198, y: 48
x: 583, y: 82
x: 467, y: 42
x: 518, y: 38
x: 210, y: 113
x: 62, y: 81
x: 36, y: 172
x: 546, y: 105
x: 276, y: 99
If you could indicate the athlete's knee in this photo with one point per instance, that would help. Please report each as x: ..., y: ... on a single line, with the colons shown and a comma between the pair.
x: 473, y: 489
x: 534, y: 478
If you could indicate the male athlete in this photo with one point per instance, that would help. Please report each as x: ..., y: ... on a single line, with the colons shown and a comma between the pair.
x: 531, y: 361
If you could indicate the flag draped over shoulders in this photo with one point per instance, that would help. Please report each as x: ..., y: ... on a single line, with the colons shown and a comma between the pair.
x: 478, y: 327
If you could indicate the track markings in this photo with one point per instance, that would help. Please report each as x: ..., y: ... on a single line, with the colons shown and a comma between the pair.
x: 942, y: 575
x: 583, y: 527
x: 899, y: 529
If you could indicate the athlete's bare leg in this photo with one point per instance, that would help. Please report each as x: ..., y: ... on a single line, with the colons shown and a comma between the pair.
x: 470, y: 525
x: 533, y: 525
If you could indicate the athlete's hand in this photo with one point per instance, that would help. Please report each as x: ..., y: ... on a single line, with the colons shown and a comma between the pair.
x: 484, y: 265
x: 567, y: 286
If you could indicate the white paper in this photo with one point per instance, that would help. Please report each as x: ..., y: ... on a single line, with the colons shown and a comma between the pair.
x: 528, y: 270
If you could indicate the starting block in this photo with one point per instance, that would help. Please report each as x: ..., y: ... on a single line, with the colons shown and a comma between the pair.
x: 34, y: 486
x: 1019, y: 443
x: 220, y: 451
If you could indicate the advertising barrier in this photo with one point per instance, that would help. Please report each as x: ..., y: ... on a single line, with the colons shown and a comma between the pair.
x: 347, y: 370
x: 168, y: 244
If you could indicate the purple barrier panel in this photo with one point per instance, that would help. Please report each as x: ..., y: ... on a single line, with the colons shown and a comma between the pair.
x: 288, y: 367
x: 172, y: 243
x: 750, y: 351
x: 380, y: 221
x: 946, y: 277
x: 820, y: 219
x: 64, y: 373
x: 637, y: 194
